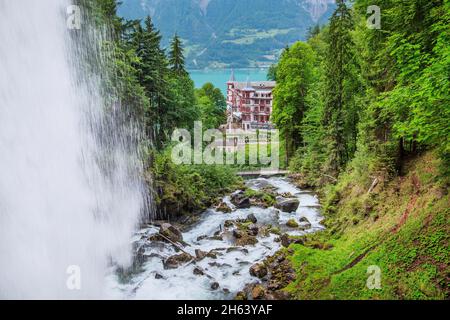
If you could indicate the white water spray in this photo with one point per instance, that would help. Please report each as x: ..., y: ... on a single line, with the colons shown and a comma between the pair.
x: 69, y: 188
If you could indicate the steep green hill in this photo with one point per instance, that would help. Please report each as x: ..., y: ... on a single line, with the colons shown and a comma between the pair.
x: 224, y: 33
x: 399, y: 229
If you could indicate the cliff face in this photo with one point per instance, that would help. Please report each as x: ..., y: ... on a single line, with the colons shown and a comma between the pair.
x: 219, y: 33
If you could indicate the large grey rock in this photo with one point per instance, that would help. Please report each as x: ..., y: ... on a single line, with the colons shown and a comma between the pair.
x: 223, y: 207
x: 251, y: 217
x: 258, y: 270
x: 215, y: 286
x: 253, y: 229
x: 170, y: 232
x: 198, y: 271
x: 200, y: 255
x: 177, y: 260
x: 287, y: 205
x: 240, y: 200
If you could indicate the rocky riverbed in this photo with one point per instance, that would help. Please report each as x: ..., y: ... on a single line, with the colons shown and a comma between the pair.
x: 231, y: 252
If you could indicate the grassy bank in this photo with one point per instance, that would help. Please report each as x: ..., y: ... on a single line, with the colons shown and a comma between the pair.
x: 401, y: 226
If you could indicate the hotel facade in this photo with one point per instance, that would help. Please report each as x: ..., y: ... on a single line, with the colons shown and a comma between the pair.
x: 249, y: 104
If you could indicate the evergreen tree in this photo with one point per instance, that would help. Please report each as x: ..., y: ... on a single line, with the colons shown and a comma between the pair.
x: 272, y: 73
x: 176, y: 56
x: 339, y: 56
x: 152, y: 65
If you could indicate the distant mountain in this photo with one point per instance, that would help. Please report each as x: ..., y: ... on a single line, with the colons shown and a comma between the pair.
x: 231, y: 33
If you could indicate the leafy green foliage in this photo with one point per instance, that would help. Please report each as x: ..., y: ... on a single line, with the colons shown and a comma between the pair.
x: 294, y: 76
x: 182, y: 189
x: 212, y: 106
x: 376, y: 96
x: 378, y: 102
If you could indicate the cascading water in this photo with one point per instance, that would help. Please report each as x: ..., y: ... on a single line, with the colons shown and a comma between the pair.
x: 69, y: 188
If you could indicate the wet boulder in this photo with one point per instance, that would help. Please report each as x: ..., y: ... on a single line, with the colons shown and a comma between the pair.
x: 240, y: 200
x: 251, y: 218
x: 228, y: 223
x: 260, y: 184
x: 247, y: 240
x: 234, y: 249
x: 258, y: 292
x: 281, y: 295
x: 292, y: 223
x: 253, y: 229
x: 170, y: 232
x: 238, y: 233
x: 200, y: 255
x: 303, y: 220
x: 287, y: 195
x: 159, y: 276
x: 216, y: 238
x: 304, y: 223
x: 241, y: 295
x: 177, y: 260
x: 200, y: 238
x: 287, y: 205
x: 215, y: 286
x: 275, y: 230
x: 244, y: 237
x: 258, y: 270
x: 212, y: 254
x: 305, y: 226
x: 198, y: 271
x: 274, y: 284
x: 223, y: 207
x: 286, y: 241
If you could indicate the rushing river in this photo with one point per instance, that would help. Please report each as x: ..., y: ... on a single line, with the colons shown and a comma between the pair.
x: 231, y: 267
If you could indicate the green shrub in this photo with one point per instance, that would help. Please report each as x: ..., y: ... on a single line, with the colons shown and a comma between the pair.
x: 181, y: 189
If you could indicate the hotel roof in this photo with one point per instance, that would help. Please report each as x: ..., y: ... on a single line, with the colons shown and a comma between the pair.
x: 254, y: 85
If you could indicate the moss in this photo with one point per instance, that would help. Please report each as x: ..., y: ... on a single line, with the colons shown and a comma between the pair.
x: 264, y: 198
x: 292, y: 223
x: 275, y: 230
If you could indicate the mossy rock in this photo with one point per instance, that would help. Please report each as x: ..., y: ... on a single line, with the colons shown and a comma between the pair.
x: 275, y: 230
x: 292, y: 223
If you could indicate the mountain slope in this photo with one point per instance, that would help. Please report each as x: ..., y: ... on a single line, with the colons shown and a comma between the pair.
x: 236, y: 33
x: 400, y: 228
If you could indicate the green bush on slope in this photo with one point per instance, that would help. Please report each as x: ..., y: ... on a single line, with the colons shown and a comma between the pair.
x: 184, y: 189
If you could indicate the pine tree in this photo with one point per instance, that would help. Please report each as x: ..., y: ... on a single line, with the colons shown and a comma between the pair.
x: 176, y: 56
x: 152, y: 66
x: 338, y: 60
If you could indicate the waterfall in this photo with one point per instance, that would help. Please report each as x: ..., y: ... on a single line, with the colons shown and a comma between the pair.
x: 70, y: 193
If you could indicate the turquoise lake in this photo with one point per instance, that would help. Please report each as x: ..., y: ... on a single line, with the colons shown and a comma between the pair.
x: 219, y: 77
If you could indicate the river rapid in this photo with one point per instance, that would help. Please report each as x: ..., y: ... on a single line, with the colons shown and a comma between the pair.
x: 230, y: 268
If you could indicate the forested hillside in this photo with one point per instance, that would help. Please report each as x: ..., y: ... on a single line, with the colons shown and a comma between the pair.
x: 231, y: 33
x: 159, y: 96
x: 364, y: 114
